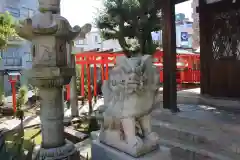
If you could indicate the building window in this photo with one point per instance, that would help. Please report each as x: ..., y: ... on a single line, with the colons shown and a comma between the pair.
x: 96, y: 39
x: 15, y: 12
x: 11, y: 52
x: 81, y: 42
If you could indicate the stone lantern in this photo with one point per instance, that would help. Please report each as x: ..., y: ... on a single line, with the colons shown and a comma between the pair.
x: 50, y: 34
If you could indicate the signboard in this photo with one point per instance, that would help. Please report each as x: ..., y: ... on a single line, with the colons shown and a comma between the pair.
x: 184, y: 37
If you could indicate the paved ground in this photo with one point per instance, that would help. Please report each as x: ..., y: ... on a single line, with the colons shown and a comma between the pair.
x: 202, y: 113
x: 10, y: 123
x: 189, y: 111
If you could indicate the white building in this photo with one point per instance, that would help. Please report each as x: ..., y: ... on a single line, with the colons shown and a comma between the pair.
x: 93, y: 41
x: 17, y: 56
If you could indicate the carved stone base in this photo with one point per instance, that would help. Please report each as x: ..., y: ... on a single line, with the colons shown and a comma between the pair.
x: 140, y: 148
x: 108, y: 153
x: 66, y: 152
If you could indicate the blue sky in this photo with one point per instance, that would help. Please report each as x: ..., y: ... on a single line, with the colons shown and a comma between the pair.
x: 79, y: 12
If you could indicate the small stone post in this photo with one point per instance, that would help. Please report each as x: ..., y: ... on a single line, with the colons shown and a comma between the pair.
x: 50, y: 33
x: 71, y: 62
x: 73, y: 91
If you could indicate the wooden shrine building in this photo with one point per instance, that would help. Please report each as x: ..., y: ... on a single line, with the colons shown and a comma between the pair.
x: 219, y: 49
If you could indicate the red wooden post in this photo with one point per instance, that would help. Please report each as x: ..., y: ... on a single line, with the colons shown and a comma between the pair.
x: 161, y: 74
x: 68, y: 92
x: 82, y: 80
x: 14, y: 100
x: 95, y: 77
x: 89, y: 83
x: 102, y: 67
x: 159, y: 57
x: 106, y: 62
x: 114, y: 60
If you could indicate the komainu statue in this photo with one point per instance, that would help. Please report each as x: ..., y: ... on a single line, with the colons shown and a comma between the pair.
x: 129, y: 95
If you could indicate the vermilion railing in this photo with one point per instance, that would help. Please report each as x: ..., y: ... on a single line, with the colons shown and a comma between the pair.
x: 188, y: 68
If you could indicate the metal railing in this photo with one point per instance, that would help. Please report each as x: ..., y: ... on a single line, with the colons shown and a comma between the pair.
x: 12, y: 61
x: 15, y: 38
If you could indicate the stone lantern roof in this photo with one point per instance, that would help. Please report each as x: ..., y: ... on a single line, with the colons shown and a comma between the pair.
x: 49, y: 22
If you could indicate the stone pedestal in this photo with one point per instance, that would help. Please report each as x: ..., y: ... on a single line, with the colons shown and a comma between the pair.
x: 109, y: 153
x: 64, y: 152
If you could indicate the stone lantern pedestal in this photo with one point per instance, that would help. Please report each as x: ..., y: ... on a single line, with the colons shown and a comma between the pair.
x: 50, y: 35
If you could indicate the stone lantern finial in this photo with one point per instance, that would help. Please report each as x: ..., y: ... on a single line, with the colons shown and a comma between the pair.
x: 49, y: 5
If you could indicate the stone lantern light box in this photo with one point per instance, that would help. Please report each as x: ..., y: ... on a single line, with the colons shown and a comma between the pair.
x: 49, y: 51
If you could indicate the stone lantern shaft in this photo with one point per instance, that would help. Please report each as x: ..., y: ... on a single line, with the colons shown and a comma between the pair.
x: 52, y: 127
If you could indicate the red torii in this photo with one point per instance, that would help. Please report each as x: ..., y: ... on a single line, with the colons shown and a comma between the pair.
x: 186, y: 64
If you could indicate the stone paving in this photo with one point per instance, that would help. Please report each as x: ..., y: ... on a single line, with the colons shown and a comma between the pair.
x: 206, y: 125
x: 12, y: 123
x: 201, y: 129
x: 33, y: 120
x: 188, y: 111
x: 197, y: 119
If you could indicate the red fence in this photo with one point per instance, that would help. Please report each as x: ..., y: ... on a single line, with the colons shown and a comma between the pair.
x: 188, y: 68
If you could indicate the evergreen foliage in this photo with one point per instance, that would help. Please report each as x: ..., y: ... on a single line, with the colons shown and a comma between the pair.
x: 6, y: 28
x: 131, y: 23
